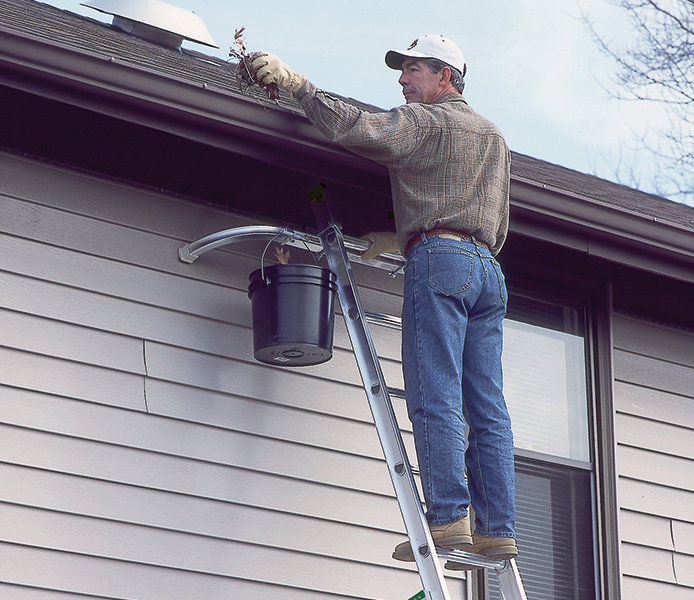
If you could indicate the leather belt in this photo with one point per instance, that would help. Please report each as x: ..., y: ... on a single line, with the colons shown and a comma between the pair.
x: 438, y: 231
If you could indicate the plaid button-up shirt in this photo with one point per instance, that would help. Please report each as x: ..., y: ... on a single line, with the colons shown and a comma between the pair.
x: 449, y: 167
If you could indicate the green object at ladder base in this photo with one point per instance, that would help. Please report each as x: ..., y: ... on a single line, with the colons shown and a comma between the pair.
x: 418, y: 596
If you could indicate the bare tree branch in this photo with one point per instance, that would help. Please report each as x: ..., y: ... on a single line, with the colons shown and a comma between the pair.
x: 658, y: 66
x: 684, y: 26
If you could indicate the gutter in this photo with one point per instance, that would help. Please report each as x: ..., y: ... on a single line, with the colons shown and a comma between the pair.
x: 282, y: 136
x: 202, y: 112
x: 602, y: 230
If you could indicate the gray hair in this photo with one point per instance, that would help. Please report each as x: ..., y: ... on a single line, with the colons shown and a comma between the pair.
x: 457, y: 78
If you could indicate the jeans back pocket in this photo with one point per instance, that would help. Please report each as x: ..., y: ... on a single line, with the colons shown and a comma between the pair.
x: 450, y: 270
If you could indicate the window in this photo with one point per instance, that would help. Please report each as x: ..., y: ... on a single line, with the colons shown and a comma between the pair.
x: 545, y: 389
x: 545, y: 384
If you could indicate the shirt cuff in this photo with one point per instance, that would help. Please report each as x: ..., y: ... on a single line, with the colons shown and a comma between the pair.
x: 306, y: 91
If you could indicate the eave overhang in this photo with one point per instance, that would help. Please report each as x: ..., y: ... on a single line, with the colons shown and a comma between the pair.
x: 601, y: 230
x: 282, y: 136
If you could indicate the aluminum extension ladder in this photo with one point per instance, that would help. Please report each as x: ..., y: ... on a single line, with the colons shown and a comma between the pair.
x: 333, y: 244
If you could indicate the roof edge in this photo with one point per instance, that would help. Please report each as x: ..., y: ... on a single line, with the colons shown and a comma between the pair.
x: 283, y: 136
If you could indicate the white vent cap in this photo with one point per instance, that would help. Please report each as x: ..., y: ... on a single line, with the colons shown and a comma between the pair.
x: 156, y: 21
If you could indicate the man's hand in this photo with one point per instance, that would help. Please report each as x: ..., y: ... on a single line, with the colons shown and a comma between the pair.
x: 381, y: 242
x: 270, y: 69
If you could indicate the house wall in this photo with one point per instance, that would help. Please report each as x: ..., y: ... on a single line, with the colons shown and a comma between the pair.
x: 145, y: 454
x: 654, y: 401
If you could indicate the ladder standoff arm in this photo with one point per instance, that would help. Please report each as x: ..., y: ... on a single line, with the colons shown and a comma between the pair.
x: 192, y: 251
x: 189, y: 253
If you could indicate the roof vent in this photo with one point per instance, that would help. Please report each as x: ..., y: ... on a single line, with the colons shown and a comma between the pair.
x: 156, y: 21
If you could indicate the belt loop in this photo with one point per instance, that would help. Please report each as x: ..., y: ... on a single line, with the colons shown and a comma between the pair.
x: 425, y: 239
x: 477, y: 247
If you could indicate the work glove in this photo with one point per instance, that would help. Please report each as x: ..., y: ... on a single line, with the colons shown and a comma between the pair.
x: 380, y: 243
x: 270, y: 69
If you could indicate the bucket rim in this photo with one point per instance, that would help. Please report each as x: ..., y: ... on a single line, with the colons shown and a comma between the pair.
x: 294, y: 270
x: 295, y: 273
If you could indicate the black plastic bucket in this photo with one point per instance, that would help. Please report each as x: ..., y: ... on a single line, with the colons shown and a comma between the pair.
x: 293, y: 314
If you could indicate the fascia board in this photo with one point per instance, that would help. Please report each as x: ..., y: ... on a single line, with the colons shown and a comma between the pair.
x: 284, y: 137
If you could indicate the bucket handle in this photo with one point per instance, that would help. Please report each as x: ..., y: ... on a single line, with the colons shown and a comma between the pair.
x: 272, y: 239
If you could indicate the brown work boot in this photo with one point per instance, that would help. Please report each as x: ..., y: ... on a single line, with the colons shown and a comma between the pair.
x: 496, y: 548
x: 452, y: 536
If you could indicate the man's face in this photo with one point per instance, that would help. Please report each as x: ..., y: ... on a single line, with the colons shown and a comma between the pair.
x: 418, y: 83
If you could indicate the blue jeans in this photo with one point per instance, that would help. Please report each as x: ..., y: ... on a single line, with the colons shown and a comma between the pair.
x: 454, y: 304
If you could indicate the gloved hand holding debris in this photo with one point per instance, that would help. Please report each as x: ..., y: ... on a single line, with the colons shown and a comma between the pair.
x: 381, y: 242
x: 270, y: 69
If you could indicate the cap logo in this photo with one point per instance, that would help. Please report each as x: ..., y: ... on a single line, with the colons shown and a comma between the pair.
x: 413, y: 44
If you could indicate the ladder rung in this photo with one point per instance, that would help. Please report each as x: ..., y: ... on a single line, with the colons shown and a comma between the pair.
x: 476, y: 560
x: 383, y: 320
x: 396, y: 392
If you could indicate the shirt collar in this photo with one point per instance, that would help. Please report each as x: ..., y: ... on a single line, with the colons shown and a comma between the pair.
x: 452, y: 97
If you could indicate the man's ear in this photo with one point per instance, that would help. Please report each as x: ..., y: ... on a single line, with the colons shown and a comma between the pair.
x: 445, y: 75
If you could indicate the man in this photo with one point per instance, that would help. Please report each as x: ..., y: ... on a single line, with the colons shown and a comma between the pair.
x: 449, y: 173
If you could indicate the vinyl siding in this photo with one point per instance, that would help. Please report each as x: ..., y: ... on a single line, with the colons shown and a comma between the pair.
x: 143, y: 452
x: 654, y: 425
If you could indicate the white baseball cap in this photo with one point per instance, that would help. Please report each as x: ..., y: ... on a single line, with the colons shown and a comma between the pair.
x: 431, y: 45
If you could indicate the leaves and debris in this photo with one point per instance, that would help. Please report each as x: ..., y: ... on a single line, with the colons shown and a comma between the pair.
x: 316, y: 194
x: 244, y: 71
x: 282, y: 255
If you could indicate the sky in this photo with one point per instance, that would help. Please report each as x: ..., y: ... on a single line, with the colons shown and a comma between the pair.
x: 533, y: 68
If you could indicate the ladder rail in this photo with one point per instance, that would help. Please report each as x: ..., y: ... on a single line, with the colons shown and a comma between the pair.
x: 510, y: 581
x: 377, y: 393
